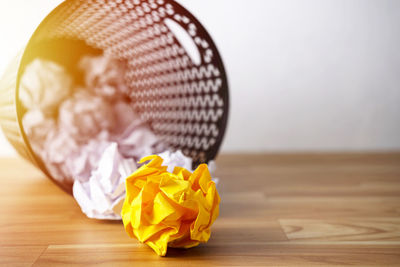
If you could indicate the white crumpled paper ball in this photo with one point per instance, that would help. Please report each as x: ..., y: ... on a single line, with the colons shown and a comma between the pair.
x: 104, y: 75
x: 84, y: 115
x: 101, y: 197
x: 81, y: 163
x: 44, y: 85
x: 58, y: 147
x: 37, y: 127
x: 176, y: 159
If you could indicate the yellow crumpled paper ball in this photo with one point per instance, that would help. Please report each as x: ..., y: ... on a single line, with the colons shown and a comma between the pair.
x: 164, y: 209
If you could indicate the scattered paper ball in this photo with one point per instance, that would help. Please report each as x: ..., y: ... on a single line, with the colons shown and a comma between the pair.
x: 164, y: 209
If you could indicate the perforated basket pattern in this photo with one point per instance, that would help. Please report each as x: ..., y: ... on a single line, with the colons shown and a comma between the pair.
x: 186, y: 104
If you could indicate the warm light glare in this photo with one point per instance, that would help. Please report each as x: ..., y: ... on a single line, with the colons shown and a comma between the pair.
x: 18, y: 20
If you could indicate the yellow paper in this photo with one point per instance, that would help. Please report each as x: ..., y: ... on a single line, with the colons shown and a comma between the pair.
x: 164, y: 209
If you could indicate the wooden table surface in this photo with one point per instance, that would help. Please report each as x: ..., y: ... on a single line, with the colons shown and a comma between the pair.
x: 286, y: 210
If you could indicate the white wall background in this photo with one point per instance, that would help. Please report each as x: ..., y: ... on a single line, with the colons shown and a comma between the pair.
x: 305, y: 75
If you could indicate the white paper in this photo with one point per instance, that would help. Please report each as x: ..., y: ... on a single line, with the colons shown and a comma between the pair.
x: 44, y: 85
x: 138, y: 141
x: 126, y: 119
x: 36, y: 127
x: 81, y: 163
x: 58, y: 147
x: 176, y: 159
x: 104, y: 76
x: 84, y: 116
x: 99, y: 196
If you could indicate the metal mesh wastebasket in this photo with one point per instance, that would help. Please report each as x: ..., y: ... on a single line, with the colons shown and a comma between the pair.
x: 175, y: 74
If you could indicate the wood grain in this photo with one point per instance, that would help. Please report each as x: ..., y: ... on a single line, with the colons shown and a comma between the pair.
x: 276, y: 210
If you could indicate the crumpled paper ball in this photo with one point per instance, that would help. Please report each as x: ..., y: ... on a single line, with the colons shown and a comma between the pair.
x: 138, y: 141
x: 44, y: 85
x: 163, y: 209
x: 37, y: 127
x: 176, y: 159
x: 104, y: 75
x: 125, y: 117
x: 57, y: 148
x: 81, y: 163
x: 84, y: 115
x: 101, y: 197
